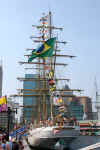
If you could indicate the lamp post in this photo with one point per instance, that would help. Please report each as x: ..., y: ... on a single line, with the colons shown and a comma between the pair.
x: 9, y: 112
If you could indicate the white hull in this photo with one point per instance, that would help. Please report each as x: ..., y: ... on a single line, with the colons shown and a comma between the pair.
x: 47, y: 137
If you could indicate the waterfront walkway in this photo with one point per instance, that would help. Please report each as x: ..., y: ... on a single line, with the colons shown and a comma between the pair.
x: 97, y: 145
x: 26, y: 147
x: 83, y: 142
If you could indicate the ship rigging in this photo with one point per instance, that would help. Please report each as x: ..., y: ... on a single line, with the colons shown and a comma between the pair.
x: 42, y: 66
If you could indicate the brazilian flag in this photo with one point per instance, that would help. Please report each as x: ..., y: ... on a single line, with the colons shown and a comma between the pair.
x: 45, y: 50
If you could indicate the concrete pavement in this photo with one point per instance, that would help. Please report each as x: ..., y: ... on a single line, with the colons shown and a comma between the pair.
x: 26, y: 147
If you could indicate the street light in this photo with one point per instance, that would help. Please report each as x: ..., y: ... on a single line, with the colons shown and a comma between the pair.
x: 9, y: 112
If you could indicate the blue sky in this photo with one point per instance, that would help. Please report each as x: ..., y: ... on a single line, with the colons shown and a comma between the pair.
x: 80, y: 19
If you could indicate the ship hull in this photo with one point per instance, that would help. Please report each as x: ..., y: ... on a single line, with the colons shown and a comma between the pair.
x: 47, y: 138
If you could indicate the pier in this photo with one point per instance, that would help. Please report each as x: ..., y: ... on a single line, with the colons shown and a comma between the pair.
x: 97, y: 145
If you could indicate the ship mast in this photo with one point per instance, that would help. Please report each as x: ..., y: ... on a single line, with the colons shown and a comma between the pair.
x: 51, y: 96
x: 41, y: 94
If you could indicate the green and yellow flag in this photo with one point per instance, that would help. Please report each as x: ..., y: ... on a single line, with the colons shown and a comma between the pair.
x: 45, y: 50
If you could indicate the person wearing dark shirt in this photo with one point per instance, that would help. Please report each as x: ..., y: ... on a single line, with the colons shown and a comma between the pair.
x: 21, y: 147
x: 15, y: 145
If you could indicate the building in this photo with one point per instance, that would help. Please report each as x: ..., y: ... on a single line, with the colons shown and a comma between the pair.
x: 29, y: 102
x: 80, y: 106
x: 12, y: 105
x: 7, y: 118
x: 97, y: 105
x: 1, y: 76
x: 35, y: 107
x: 95, y: 115
x: 74, y: 107
x: 87, y: 105
x: 68, y: 99
x: 77, y: 110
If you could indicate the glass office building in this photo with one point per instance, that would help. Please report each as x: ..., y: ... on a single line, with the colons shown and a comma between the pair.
x: 29, y: 102
x: 34, y: 105
x: 77, y: 110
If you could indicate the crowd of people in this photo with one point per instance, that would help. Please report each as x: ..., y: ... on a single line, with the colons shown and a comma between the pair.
x: 11, y: 144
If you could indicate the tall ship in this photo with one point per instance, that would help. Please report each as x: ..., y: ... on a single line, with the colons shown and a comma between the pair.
x: 45, y: 100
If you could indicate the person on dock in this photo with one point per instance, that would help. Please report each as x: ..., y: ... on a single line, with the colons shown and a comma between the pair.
x: 15, y: 145
x: 4, y: 144
x: 20, y: 143
x: 1, y: 145
x: 9, y: 144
